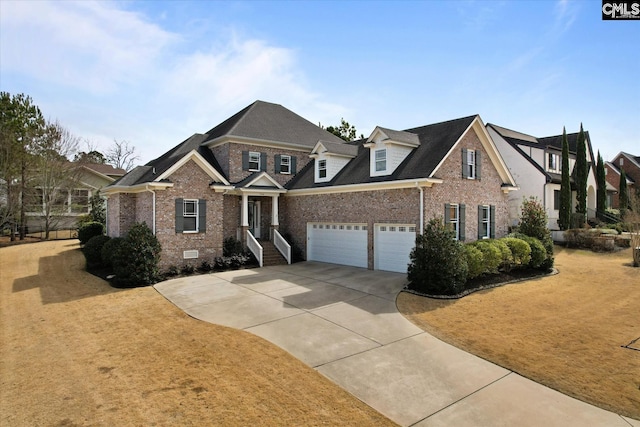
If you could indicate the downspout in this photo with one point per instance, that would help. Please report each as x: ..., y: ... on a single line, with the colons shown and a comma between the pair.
x: 153, y: 208
x: 421, y: 207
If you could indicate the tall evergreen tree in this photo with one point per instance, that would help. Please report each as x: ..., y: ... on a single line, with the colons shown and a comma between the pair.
x: 623, y: 195
x: 582, y: 173
x: 601, y: 197
x: 564, y: 220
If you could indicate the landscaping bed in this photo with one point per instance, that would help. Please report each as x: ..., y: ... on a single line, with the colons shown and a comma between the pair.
x: 569, y: 331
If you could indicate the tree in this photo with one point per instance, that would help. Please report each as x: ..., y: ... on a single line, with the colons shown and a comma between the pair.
x: 582, y: 173
x: 21, y: 122
x: 344, y: 131
x: 54, y: 175
x: 623, y: 194
x: 122, y: 155
x: 564, y: 219
x: 632, y: 219
x: 98, y: 211
x: 93, y: 156
x: 601, y: 196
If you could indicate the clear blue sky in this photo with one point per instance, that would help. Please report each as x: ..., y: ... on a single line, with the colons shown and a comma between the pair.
x: 154, y: 73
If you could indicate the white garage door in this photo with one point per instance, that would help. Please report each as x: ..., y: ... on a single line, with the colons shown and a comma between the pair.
x: 392, y: 245
x: 337, y: 243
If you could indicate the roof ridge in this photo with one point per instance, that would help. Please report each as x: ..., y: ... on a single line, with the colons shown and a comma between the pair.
x: 440, y: 123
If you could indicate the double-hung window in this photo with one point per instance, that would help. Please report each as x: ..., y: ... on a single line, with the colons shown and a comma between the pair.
x: 80, y: 201
x: 381, y: 160
x: 471, y: 164
x: 254, y: 161
x: 454, y: 217
x: 486, y: 222
x: 285, y: 164
x: 322, y: 169
x: 553, y: 162
x: 190, y: 215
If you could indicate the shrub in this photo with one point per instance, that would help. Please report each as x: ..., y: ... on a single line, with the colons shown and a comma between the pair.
x: 475, y: 261
x: 109, y: 251
x: 93, y: 250
x: 205, y: 267
x: 533, y: 219
x: 88, y: 230
x: 231, y: 262
x: 538, y: 251
x: 547, y: 243
x: 188, y: 269
x: 136, y: 262
x: 520, y: 250
x: 506, y: 261
x: 437, y: 263
x: 491, y: 255
x: 232, y: 246
x: 172, y: 271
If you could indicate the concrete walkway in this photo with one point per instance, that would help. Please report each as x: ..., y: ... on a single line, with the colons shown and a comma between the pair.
x: 343, y: 322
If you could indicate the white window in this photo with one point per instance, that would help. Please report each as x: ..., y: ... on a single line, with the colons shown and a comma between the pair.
x: 254, y: 161
x: 381, y: 160
x: 190, y: 216
x: 322, y: 169
x: 471, y: 164
x: 285, y: 164
x: 80, y: 201
x: 454, y: 219
x: 485, y: 222
x: 553, y: 162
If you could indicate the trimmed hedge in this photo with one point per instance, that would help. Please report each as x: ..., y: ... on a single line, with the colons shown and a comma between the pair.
x: 88, y: 230
x: 491, y: 255
x: 92, y: 250
x: 110, y: 250
x: 520, y: 250
x: 136, y: 261
x: 475, y: 261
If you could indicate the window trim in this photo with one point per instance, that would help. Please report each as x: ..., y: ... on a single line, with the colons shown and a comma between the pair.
x: 455, y: 222
x: 471, y: 164
x: 485, y: 220
x: 256, y: 159
x: 322, y: 167
x: 195, y: 215
x: 286, y: 164
x: 380, y: 162
x: 553, y: 162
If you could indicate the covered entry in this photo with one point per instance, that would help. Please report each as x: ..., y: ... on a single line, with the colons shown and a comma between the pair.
x: 337, y: 243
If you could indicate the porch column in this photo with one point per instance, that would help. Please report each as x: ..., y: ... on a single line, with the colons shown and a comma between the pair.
x: 245, y: 210
x: 274, y: 211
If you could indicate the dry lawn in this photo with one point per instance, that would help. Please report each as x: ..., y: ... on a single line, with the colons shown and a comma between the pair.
x: 565, y: 331
x: 74, y: 351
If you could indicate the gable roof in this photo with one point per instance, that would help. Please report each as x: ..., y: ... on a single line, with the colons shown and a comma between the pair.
x: 341, y: 149
x: 635, y: 160
x: 271, y: 123
x: 104, y: 169
x: 435, y: 143
x: 403, y: 137
x: 155, y: 169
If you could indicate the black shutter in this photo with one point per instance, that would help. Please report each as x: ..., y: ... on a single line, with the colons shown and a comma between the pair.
x: 293, y: 165
x: 465, y: 166
x: 245, y: 160
x: 179, y: 217
x: 263, y: 161
x: 492, y: 218
x: 478, y: 164
x: 461, y: 222
x: 202, y: 215
x: 278, y: 159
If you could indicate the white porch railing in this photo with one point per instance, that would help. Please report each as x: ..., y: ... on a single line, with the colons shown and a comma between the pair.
x: 282, y: 245
x: 254, y: 247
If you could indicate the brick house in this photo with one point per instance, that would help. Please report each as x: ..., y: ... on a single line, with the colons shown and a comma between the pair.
x: 266, y: 171
x: 631, y: 166
x: 536, y: 164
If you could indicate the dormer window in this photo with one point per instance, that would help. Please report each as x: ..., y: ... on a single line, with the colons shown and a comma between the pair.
x: 381, y: 160
x: 553, y: 162
x: 322, y: 169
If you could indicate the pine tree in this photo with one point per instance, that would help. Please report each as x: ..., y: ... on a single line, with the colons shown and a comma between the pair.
x: 564, y: 220
x: 582, y: 173
x: 601, y: 197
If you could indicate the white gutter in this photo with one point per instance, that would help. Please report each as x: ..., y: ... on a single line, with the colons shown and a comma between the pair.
x: 154, y: 208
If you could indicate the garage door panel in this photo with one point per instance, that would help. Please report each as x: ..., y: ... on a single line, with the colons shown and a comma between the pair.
x: 344, y: 244
x: 392, y: 245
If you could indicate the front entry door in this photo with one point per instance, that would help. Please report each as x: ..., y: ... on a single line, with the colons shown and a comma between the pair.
x: 254, y: 218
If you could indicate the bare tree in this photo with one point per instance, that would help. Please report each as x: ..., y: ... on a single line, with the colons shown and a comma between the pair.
x: 55, y: 176
x: 122, y: 155
x: 632, y: 219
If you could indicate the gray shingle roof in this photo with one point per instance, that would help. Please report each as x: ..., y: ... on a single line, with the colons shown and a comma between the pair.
x: 401, y: 136
x: 340, y: 148
x: 436, y: 141
x: 271, y: 122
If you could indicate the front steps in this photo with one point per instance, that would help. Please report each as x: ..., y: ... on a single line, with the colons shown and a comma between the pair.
x: 271, y: 255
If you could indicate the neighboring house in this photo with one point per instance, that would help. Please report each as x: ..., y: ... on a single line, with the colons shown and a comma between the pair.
x: 631, y: 166
x: 536, y: 165
x: 88, y: 178
x: 361, y: 203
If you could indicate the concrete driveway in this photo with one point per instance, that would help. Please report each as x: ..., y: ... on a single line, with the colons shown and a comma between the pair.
x: 343, y: 322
